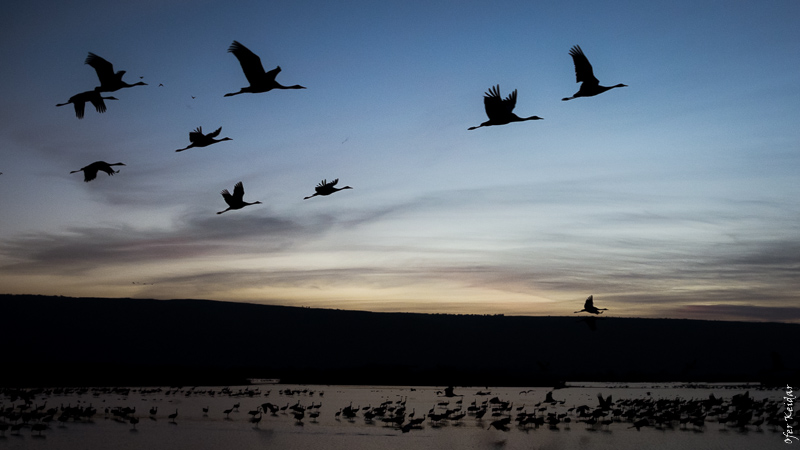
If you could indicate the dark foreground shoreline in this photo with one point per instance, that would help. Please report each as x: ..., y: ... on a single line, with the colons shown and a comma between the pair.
x: 63, y: 341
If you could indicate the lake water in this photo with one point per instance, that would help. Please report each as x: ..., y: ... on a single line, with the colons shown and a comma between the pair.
x: 196, y: 430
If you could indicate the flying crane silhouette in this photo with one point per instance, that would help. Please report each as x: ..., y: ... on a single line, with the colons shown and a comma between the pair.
x: 94, y: 97
x: 590, y: 308
x: 110, y: 81
x: 235, y: 201
x: 326, y: 188
x: 583, y: 74
x: 500, y: 110
x: 260, y: 81
x: 198, y: 139
x: 90, y: 171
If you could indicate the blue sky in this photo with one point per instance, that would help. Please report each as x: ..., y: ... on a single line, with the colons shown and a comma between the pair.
x: 673, y: 197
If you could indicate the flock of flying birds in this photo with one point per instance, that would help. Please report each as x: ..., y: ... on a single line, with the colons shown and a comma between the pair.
x: 500, y: 111
x: 259, y: 79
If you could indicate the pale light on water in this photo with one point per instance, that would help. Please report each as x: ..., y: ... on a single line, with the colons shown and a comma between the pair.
x: 193, y: 429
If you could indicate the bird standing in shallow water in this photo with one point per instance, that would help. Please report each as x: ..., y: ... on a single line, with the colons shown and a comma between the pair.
x: 235, y: 201
x: 198, y: 139
x: 325, y: 188
x: 94, y: 97
x: 583, y: 74
x: 260, y: 81
x: 589, y: 307
x: 90, y: 171
x: 499, y: 111
x: 109, y: 80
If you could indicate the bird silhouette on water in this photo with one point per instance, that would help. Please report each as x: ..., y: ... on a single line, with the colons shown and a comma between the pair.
x: 260, y: 81
x: 235, y: 201
x: 500, y: 110
x: 590, y: 86
x: 198, y: 139
x: 326, y: 188
x: 589, y: 307
x: 93, y: 97
x: 90, y: 171
x: 110, y: 81
x: 500, y: 424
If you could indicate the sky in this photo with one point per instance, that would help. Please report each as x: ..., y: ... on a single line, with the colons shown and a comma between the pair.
x: 673, y: 197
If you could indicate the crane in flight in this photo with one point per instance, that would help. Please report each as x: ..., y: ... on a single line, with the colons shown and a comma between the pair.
x: 93, y: 97
x: 90, y: 171
x: 590, y: 86
x: 499, y: 110
x: 589, y: 307
x: 235, y: 201
x: 110, y: 81
x: 260, y: 81
x: 198, y: 139
x: 326, y: 188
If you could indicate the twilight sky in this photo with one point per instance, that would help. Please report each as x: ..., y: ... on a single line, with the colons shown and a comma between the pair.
x: 674, y: 197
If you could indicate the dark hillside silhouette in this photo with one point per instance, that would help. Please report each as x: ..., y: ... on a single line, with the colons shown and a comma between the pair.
x: 115, y: 341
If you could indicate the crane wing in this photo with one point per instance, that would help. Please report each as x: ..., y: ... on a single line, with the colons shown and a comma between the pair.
x: 589, y: 302
x: 583, y: 69
x: 215, y: 133
x: 238, y: 191
x: 250, y: 62
x: 104, y: 69
x: 324, y: 185
x: 510, y: 102
x: 497, y: 107
x: 227, y: 197
x: 274, y: 73
x: 79, y: 108
x: 99, y: 104
x: 196, y: 135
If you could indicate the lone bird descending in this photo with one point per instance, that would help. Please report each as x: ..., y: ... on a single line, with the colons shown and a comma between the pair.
x: 260, y: 81
x: 590, y: 308
x: 583, y: 74
x: 325, y: 188
x: 90, y: 171
x: 94, y: 97
x: 499, y: 110
x: 235, y: 201
x: 198, y: 139
x: 109, y: 80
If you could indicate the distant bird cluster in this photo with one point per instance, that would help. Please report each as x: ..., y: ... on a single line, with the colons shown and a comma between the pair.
x: 487, y: 411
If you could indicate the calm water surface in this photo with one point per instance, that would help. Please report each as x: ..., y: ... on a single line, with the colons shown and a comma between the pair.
x: 195, y: 430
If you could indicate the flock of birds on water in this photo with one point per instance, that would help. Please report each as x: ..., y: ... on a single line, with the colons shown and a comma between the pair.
x: 28, y: 408
x: 499, y: 110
